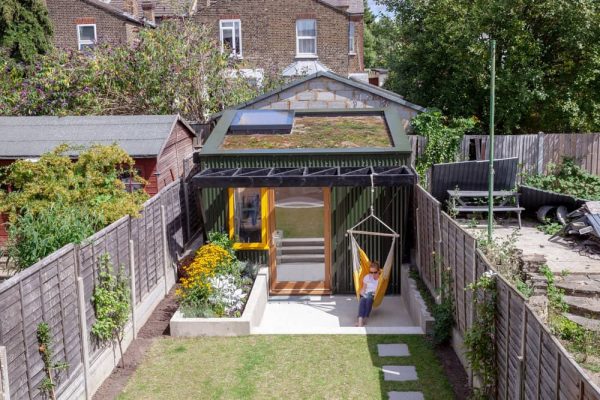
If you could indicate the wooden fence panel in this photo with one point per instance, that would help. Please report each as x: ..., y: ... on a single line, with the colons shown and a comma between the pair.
x: 428, y: 221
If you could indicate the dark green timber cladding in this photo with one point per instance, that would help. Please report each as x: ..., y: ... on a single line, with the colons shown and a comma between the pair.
x: 349, y: 206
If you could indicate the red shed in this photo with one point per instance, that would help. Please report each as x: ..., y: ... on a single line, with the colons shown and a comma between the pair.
x: 157, y: 143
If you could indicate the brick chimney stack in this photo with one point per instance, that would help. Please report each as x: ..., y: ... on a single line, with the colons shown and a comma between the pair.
x: 148, y: 9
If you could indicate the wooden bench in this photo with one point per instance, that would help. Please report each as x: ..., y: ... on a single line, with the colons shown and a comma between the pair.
x: 459, y: 202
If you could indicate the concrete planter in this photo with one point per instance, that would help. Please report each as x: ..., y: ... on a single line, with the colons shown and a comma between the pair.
x: 251, y: 317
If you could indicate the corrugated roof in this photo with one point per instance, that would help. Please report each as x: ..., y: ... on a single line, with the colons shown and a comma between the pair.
x: 139, y: 135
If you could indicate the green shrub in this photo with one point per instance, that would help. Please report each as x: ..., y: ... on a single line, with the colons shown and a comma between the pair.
x: 33, y: 236
x: 567, y: 178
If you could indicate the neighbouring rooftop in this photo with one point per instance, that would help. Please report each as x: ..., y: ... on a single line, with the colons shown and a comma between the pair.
x: 284, y: 130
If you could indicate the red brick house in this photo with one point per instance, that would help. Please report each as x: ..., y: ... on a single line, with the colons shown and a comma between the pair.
x: 157, y: 143
x: 294, y: 37
x: 81, y: 24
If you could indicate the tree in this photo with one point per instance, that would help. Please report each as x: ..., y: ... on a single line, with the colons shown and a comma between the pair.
x: 377, y: 38
x: 25, y: 29
x: 548, y: 64
x: 176, y: 68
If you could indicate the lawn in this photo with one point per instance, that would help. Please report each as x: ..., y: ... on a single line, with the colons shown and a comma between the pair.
x: 282, y: 367
x: 300, y: 222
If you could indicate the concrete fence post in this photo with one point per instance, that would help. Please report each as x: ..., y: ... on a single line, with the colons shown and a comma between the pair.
x: 85, y: 347
x: 166, y: 258
x: 4, y: 387
x: 132, y: 288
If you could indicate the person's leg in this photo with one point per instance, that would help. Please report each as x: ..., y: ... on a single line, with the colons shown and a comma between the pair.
x: 368, y: 307
x: 362, y: 310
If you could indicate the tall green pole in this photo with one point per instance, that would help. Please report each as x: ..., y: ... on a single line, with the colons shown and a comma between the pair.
x: 491, y: 139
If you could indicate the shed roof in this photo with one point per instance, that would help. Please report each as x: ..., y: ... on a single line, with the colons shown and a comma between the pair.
x: 118, y: 11
x: 139, y: 135
x: 367, y: 87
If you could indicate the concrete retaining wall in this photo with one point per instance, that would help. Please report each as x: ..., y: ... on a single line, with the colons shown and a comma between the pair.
x: 414, y: 302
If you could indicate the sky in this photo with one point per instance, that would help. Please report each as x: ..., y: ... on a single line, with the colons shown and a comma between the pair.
x: 375, y: 7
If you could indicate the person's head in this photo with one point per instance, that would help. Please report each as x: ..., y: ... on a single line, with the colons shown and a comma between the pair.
x: 374, y: 269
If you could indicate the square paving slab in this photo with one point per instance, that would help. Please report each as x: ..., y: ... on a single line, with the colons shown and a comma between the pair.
x: 399, y: 373
x: 406, y: 396
x: 393, y: 350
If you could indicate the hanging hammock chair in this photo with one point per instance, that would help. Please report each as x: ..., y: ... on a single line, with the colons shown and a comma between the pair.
x: 360, y: 259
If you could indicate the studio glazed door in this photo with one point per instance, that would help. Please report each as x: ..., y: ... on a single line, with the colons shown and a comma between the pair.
x: 300, y: 256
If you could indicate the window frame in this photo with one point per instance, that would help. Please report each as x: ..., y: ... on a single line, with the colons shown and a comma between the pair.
x: 238, y: 53
x: 81, y: 42
x: 264, y: 215
x: 298, y: 38
x: 352, y: 38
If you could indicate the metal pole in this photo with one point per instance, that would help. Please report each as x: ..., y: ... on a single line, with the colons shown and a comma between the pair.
x: 491, y: 139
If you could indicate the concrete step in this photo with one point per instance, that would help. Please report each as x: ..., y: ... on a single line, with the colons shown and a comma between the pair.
x: 581, y: 287
x: 588, y: 323
x: 303, y: 250
x: 302, y: 242
x: 302, y: 258
x: 583, y: 306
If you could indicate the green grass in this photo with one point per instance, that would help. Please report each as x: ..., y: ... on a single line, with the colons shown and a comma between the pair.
x: 300, y: 222
x: 319, y: 132
x: 282, y: 367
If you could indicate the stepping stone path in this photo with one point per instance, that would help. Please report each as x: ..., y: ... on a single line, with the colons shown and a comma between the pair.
x: 398, y: 373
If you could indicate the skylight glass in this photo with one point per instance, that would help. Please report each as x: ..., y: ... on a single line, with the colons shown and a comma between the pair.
x: 266, y: 121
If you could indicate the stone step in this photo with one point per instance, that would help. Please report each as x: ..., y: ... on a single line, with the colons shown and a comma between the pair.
x: 399, y: 373
x: 588, y: 323
x: 302, y: 242
x: 405, y: 396
x: 393, y: 350
x: 580, y: 287
x: 303, y: 250
x: 302, y: 258
x: 583, y: 306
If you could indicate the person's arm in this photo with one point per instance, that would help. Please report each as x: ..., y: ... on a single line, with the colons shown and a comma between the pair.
x: 364, y: 286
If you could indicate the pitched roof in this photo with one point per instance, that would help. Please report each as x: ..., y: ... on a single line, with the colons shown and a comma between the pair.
x: 117, y: 11
x: 138, y: 135
x: 350, y: 6
x: 367, y: 87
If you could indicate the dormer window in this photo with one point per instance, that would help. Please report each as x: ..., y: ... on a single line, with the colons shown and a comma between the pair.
x: 231, y: 36
x: 306, y: 38
x: 86, y: 36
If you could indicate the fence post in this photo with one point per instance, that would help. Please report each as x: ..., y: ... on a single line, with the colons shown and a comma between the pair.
x: 540, y: 157
x: 132, y: 288
x: 85, y: 347
x: 186, y: 194
x: 166, y: 258
x: 4, y: 387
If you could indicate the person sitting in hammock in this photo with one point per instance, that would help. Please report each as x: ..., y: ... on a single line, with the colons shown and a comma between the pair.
x: 367, y: 293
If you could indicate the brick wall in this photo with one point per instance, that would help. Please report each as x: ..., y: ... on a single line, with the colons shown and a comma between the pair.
x: 269, y: 32
x: 323, y: 92
x: 67, y: 14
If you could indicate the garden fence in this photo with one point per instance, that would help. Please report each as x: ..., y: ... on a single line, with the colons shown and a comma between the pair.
x: 531, y: 362
x: 535, y: 151
x: 58, y: 290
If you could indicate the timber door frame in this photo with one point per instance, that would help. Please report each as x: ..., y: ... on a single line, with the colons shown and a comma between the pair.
x: 301, y: 287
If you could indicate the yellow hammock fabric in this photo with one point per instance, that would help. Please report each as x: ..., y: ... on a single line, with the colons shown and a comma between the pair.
x: 361, y: 264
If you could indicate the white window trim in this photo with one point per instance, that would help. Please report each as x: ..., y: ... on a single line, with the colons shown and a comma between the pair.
x: 306, y: 55
x: 84, y: 42
x: 352, y: 39
x: 238, y: 53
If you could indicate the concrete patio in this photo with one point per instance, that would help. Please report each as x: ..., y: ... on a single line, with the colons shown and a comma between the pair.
x: 333, y: 315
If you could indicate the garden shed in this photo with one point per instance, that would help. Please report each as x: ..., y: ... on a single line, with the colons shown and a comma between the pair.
x: 287, y: 185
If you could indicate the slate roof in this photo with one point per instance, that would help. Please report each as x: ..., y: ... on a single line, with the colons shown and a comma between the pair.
x: 367, y: 87
x: 140, y: 135
x: 117, y: 10
x: 351, y: 6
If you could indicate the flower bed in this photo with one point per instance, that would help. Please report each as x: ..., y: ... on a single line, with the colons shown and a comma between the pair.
x: 215, y: 283
x: 218, y: 294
